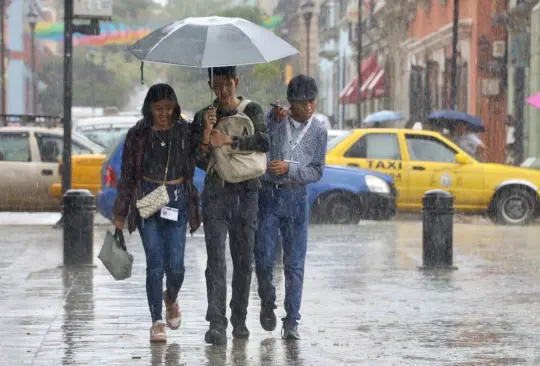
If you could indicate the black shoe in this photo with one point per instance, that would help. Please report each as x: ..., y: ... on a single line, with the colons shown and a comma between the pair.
x: 268, y: 318
x: 290, y: 333
x: 240, y: 331
x: 216, y: 336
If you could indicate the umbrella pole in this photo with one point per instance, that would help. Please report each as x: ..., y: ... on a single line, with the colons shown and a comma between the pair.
x: 211, y: 83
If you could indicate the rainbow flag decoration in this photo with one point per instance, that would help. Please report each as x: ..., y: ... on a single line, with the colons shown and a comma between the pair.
x: 114, y: 33
x: 271, y: 22
x: 111, y: 33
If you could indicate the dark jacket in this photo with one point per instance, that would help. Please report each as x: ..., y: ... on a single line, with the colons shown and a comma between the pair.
x: 129, y: 191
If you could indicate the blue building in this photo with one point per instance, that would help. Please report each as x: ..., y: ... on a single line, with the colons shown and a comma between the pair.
x: 19, y: 80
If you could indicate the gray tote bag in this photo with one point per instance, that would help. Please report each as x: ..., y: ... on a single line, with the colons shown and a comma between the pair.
x: 115, y: 256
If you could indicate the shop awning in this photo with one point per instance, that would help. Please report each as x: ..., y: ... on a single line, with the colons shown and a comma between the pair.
x: 377, y: 88
x: 349, y: 94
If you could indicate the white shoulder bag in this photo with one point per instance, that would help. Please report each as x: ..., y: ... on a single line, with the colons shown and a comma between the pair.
x: 158, y: 198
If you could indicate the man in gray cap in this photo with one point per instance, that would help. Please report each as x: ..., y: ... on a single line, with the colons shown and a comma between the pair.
x: 296, y: 159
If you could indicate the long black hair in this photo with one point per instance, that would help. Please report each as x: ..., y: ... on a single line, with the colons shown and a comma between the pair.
x: 160, y: 92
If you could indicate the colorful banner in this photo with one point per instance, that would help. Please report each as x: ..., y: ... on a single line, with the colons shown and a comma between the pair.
x: 271, y: 22
x: 112, y: 33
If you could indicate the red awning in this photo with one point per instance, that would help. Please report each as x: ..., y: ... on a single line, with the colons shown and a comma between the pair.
x: 377, y: 88
x: 349, y: 94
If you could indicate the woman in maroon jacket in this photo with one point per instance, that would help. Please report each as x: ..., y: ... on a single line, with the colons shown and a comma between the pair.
x: 160, y: 149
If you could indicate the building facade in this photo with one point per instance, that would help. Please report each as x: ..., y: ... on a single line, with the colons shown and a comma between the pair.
x: 20, y: 76
x: 522, y: 20
x: 481, y: 76
x: 375, y: 84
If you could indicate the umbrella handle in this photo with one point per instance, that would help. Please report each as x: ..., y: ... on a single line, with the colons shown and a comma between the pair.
x: 211, y: 83
x: 142, y: 72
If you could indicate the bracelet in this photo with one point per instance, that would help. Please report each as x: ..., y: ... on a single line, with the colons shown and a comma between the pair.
x: 202, y: 143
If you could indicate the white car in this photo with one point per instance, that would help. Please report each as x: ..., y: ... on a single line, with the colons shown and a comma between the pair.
x: 105, y: 130
x: 29, y: 165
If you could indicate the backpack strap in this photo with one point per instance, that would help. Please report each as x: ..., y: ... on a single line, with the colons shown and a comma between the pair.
x: 243, y: 104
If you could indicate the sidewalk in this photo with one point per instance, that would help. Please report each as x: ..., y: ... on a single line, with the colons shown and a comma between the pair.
x: 365, y: 302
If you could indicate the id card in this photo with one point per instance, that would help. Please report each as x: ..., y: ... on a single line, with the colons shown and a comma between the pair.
x: 169, y: 213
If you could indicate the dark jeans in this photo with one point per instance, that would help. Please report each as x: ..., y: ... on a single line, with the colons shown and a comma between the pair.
x: 235, y: 212
x: 164, y: 245
x: 284, y: 210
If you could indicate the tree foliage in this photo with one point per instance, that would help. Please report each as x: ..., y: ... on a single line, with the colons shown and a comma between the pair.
x: 112, y: 78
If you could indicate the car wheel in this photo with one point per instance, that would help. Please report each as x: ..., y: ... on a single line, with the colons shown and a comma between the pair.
x: 514, y: 206
x: 338, y: 208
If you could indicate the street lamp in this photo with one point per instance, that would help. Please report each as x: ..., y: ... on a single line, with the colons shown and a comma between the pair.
x: 307, y: 12
x: 32, y: 20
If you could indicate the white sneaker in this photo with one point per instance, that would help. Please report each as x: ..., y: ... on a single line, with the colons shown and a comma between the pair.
x: 157, y: 332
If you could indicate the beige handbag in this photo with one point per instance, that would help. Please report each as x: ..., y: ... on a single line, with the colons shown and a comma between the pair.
x: 234, y: 165
x: 158, y: 198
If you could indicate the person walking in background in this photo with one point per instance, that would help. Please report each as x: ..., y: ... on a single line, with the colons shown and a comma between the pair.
x: 510, y: 140
x: 159, y: 150
x: 467, y: 140
x: 228, y: 207
x: 296, y: 159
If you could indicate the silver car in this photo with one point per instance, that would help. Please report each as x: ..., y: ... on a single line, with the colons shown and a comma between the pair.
x: 29, y: 165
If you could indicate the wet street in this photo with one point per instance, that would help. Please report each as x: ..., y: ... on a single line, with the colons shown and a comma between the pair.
x: 365, y: 302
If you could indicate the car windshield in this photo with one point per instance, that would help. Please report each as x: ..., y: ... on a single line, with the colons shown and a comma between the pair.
x: 105, y: 136
x: 95, y: 147
x: 333, y: 140
x: 112, y: 147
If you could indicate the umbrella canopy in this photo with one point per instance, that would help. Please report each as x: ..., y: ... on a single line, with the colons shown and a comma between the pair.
x: 449, y: 117
x: 384, y: 116
x: 534, y: 100
x: 211, y: 42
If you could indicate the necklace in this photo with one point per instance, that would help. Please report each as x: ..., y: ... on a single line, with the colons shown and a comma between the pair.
x: 163, y: 143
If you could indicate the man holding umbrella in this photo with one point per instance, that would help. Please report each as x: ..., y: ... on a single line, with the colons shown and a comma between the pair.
x: 296, y: 159
x: 228, y: 207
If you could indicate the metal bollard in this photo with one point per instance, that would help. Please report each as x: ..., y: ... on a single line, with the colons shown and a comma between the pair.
x: 78, y: 211
x: 438, y: 227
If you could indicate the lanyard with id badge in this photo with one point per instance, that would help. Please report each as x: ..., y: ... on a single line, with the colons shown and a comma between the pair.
x: 298, y: 139
x: 169, y: 213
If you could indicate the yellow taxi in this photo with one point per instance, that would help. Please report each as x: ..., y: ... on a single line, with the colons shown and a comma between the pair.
x: 85, y: 174
x: 420, y: 161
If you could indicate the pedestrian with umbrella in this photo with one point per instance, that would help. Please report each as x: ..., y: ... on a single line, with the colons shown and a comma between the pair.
x: 229, y: 205
x: 463, y: 128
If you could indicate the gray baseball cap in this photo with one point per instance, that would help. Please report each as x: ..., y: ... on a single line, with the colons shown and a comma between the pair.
x: 302, y: 88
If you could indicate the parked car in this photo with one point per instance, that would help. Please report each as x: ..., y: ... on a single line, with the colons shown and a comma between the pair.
x: 342, y: 196
x: 423, y: 160
x: 29, y: 164
x: 105, y: 130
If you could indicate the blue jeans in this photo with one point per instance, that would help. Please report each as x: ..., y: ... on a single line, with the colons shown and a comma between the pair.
x: 284, y: 210
x: 164, y: 245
